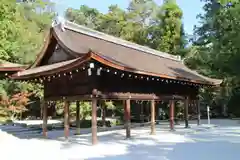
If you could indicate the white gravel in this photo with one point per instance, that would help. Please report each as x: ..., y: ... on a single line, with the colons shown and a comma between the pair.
x: 198, y: 143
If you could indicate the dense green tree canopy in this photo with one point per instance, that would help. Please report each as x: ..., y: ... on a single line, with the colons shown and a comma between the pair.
x: 216, y: 50
x: 21, y: 30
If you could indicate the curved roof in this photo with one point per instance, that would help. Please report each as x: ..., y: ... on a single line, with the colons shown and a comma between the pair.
x: 117, y: 53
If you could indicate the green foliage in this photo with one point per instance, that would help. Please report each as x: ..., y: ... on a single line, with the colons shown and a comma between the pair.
x: 171, y: 25
x: 110, y: 105
x: 87, y: 16
x: 21, y: 29
x: 85, y: 109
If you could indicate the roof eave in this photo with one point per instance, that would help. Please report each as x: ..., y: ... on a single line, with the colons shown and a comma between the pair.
x: 112, y: 64
x: 215, y: 82
x: 12, y: 69
x: 107, y: 62
x: 47, y: 40
x: 74, y: 64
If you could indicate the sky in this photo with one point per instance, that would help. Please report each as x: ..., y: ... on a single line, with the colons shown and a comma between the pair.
x: 190, y: 8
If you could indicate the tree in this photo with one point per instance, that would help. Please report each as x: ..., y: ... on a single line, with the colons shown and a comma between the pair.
x: 21, y: 30
x: 84, y: 16
x: 14, y: 106
x: 171, y: 27
x: 142, y: 14
x: 114, y: 22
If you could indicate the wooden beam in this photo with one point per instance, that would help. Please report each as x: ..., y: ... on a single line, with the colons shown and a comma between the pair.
x: 77, y: 118
x: 186, y: 112
x: 66, y: 119
x: 45, y: 117
x: 153, y: 128
x: 94, y: 121
x: 119, y: 96
x: 172, y: 105
x: 127, y: 115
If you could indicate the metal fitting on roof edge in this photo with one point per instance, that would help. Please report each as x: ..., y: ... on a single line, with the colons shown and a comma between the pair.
x: 58, y: 20
x: 179, y: 57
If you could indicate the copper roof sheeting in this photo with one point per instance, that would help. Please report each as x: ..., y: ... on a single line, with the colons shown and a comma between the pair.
x: 8, y: 66
x: 49, y: 69
x: 81, y: 40
x: 129, y: 54
x: 117, y: 41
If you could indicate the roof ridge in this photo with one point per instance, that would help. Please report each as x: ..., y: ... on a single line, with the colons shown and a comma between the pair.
x: 85, y: 30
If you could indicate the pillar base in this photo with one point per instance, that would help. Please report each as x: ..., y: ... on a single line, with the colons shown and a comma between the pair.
x: 76, y: 134
x: 142, y: 125
x: 153, y: 133
x: 94, y: 142
x: 127, y: 138
x: 172, y: 130
x: 45, y: 136
x: 104, y: 126
x: 77, y: 131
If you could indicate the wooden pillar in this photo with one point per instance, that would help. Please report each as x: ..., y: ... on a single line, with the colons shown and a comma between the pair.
x: 157, y: 111
x: 94, y: 121
x: 171, y: 110
x: 127, y: 115
x: 104, y: 116
x: 186, y: 112
x: 77, y: 118
x: 66, y: 119
x: 45, y: 117
x: 141, y: 112
x: 198, y: 112
x: 54, y: 110
x: 153, y: 129
x: 41, y: 107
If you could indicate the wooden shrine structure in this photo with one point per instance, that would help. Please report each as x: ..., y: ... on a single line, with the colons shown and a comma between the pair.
x: 78, y: 63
